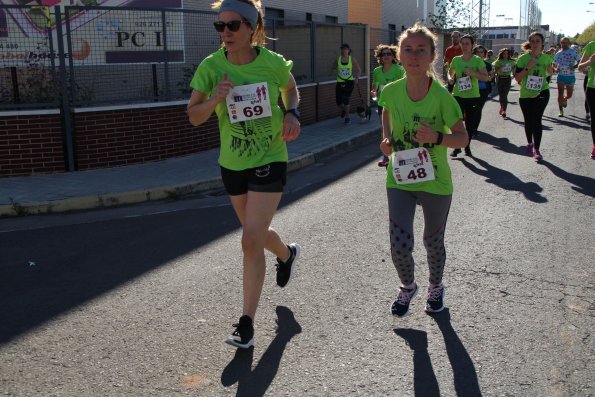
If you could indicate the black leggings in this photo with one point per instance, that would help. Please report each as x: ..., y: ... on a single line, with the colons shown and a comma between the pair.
x: 533, y: 109
x: 471, y: 108
x: 503, y: 90
x: 585, y: 89
x: 591, y: 101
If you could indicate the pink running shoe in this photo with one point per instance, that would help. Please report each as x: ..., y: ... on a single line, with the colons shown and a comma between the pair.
x: 537, y: 155
x: 593, y: 153
x: 529, y: 150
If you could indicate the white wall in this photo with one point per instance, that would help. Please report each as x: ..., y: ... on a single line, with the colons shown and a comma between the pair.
x: 405, y: 12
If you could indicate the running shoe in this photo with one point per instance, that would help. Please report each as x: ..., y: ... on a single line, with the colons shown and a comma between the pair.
x: 455, y: 152
x: 435, y: 302
x: 243, y: 336
x: 504, y: 116
x: 400, y: 306
x: 529, y: 150
x: 565, y: 103
x: 537, y: 155
x: 501, y: 110
x: 383, y: 161
x: 588, y: 116
x: 468, y: 152
x: 593, y: 153
x: 561, y: 114
x: 286, y: 270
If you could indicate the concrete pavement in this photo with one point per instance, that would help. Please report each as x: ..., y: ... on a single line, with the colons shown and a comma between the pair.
x: 161, y: 180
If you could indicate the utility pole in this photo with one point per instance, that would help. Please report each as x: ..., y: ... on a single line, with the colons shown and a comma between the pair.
x: 480, y: 19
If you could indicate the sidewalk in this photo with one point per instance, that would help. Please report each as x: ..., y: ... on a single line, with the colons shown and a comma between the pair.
x: 167, y: 179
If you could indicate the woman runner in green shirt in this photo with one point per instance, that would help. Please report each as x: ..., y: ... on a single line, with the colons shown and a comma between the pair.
x: 419, y: 121
x: 388, y: 71
x: 241, y: 83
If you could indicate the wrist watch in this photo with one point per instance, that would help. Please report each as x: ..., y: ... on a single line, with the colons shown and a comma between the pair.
x: 295, y: 112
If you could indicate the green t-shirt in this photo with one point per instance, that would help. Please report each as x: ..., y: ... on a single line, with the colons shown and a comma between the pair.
x: 380, y: 78
x: 506, y: 65
x: 459, y: 66
x: 439, y: 109
x: 537, y: 71
x: 589, y: 50
x: 254, y: 142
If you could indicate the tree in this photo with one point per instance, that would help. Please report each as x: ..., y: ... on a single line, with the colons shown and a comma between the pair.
x: 450, y: 14
x: 587, y: 36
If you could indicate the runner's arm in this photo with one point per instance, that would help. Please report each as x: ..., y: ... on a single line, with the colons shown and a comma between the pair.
x: 201, y: 107
x: 291, y: 99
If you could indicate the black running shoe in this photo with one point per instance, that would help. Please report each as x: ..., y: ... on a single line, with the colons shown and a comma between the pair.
x: 400, y: 306
x: 435, y: 301
x: 286, y: 270
x: 455, y: 153
x: 243, y: 336
x: 468, y: 152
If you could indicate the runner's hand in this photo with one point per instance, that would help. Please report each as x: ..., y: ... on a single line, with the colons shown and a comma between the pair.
x: 223, y: 88
x: 386, y: 146
x: 425, y: 134
x: 291, y: 127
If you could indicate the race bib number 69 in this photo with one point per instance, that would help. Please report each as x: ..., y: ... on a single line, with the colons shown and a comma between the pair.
x: 248, y: 102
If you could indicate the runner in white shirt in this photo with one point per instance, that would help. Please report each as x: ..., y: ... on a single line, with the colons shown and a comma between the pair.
x: 565, y: 61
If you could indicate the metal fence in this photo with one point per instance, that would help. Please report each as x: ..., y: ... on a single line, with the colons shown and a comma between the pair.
x: 90, y: 56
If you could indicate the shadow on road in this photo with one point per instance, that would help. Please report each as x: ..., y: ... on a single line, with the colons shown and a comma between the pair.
x: 255, y: 382
x: 506, y: 180
x: 565, y: 121
x: 582, y: 184
x: 49, y: 271
x: 500, y: 143
x: 465, y: 376
x: 425, y: 383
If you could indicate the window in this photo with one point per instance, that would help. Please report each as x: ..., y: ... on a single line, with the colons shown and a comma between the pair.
x: 274, y: 15
x: 392, y: 26
x: 331, y: 19
x: 308, y: 16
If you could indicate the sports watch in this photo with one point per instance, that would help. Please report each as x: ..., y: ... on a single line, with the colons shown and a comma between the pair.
x: 295, y: 112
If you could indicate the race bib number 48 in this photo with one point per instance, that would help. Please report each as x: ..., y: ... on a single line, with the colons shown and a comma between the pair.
x: 248, y: 102
x: 412, y: 166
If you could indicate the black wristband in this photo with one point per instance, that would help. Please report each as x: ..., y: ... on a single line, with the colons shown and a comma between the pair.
x: 440, y: 138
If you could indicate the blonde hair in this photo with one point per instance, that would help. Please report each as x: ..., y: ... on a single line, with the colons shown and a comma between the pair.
x: 418, y: 28
x: 258, y: 36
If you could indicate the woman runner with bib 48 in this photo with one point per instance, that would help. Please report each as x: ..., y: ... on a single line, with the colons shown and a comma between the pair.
x: 241, y: 83
x: 419, y: 121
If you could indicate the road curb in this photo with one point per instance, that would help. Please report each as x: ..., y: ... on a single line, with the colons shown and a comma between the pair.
x: 174, y: 192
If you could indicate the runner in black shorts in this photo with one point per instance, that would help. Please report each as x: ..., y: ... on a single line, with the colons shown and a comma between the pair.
x: 253, y: 130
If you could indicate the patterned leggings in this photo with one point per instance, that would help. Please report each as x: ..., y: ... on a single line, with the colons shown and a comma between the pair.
x: 401, y: 209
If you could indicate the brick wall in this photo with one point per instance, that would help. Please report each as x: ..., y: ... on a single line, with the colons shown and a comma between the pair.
x: 31, y: 144
x: 137, y: 135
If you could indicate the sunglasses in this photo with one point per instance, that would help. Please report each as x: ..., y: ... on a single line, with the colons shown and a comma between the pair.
x: 386, y: 54
x: 233, y: 26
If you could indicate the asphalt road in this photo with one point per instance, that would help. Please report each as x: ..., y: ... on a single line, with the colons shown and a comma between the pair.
x: 138, y: 300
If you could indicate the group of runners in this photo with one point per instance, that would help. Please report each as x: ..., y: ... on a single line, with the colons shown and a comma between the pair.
x: 242, y: 82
